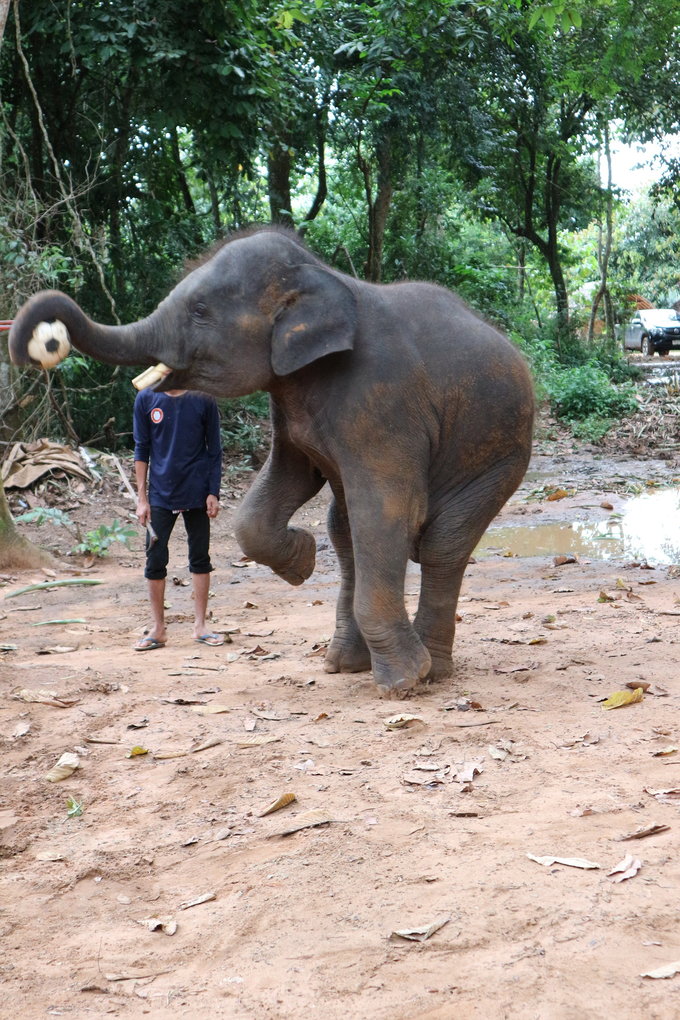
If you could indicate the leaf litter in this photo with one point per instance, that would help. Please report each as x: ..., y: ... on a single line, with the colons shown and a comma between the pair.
x: 64, y: 768
x: 627, y: 868
x: 622, y: 698
x: 570, y: 862
x: 281, y: 802
x: 422, y: 933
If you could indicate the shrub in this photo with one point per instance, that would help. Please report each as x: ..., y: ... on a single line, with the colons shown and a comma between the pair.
x: 585, y: 391
x: 243, y: 424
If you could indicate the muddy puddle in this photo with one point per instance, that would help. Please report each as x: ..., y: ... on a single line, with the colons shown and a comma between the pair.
x: 647, y: 527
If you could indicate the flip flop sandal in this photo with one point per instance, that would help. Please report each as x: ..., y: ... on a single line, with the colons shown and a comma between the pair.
x: 147, y: 644
x: 210, y: 639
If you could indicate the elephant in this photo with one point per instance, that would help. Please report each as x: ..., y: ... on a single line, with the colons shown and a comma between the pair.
x: 416, y: 411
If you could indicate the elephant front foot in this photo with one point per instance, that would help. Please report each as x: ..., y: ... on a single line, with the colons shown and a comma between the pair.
x: 347, y: 653
x: 300, y: 564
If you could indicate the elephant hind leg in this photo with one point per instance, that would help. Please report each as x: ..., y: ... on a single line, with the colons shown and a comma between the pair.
x: 445, y: 549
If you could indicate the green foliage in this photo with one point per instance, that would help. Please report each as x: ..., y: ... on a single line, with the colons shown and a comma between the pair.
x: 440, y: 139
x: 99, y: 398
x: 243, y: 424
x: 45, y: 515
x: 592, y: 429
x: 98, y: 541
x: 585, y: 392
x: 647, y: 250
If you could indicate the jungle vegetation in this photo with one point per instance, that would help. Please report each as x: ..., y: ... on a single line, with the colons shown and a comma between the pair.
x: 461, y: 141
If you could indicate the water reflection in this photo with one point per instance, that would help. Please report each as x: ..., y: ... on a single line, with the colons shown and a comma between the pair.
x: 648, y: 528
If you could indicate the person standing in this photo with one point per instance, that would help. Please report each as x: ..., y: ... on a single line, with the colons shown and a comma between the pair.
x: 178, y: 456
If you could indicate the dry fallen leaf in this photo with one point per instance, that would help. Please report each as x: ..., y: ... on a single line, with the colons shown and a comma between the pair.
x: 41, y: 697
x: 571, y: 862
x: 621, y: 698
x: 165, y: 924
x: 670, y: 794
x: 467, y: 772
x: 422, y: 933
x: 203, y: 745
x: 265, y: 738
x: 669, y: 971
x: 646, y: 830
x: 281, y: 802
x: 557, y: 494
x: 402, y: 721
x: 64, y: 768
x: 419, y: 778
x: 627, y: 868
x: 585, y: 738
x: 663, y: 751
x: 657, y: 690
x: 212, y: 708
x: 307, y: 820
x: 205, y: 898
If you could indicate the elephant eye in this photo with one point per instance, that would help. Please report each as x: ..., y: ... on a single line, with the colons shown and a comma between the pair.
x: 200, y: 310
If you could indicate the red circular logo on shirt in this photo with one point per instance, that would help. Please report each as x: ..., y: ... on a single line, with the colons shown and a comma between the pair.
x: 157, y: 415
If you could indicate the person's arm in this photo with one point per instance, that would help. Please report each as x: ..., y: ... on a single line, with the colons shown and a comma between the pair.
x: 142, y: 445
x: 143, y: 509
x: 213, y: 440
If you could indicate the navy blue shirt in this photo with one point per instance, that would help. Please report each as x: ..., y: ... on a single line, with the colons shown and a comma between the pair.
x: 179, y: 438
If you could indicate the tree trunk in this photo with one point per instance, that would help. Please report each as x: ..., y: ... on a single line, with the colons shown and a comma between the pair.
x: 604, y: 251
x: 553, y: 203
x: 4, y: 11
x: 16, y: 552
x: 521, y: 270
x: 322, y: 181
x: 378, y: 211
x: 278, y: 183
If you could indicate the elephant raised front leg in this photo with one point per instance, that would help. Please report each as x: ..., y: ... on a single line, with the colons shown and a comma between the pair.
x: 347, y: 652
x: 287, y: 480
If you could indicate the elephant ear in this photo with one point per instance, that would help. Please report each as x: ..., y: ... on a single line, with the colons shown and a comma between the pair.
x: 318, y: 317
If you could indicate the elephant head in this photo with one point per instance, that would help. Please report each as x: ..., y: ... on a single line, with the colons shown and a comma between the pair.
x: 260, y: 308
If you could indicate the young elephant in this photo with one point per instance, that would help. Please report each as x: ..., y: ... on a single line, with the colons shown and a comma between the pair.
x: 416, y: 412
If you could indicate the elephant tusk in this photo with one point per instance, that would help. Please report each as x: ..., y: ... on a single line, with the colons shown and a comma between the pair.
x: 150, y: 376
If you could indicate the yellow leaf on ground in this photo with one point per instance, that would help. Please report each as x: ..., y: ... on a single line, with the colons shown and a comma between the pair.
x: 281, y: 802
x: 621, y: 698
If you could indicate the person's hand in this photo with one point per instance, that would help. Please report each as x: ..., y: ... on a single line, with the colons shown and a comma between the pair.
x: 143, y: 511
x: 212, y: 505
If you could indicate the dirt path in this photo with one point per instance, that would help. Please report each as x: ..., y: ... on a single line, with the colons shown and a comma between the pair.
x: 427, y: 823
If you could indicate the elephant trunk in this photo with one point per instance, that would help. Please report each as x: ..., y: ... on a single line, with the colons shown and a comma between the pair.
x: 137, y: 344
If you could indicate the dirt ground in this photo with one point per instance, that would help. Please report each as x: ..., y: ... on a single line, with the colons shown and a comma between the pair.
x: 173, y: 893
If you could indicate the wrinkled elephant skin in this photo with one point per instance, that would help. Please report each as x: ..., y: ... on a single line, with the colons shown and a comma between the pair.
x: 417, y: 413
